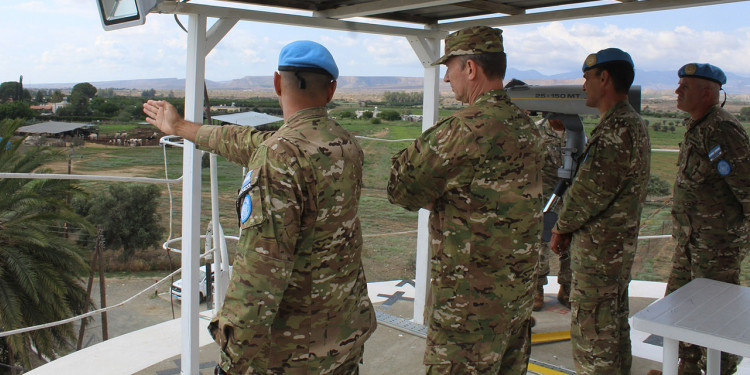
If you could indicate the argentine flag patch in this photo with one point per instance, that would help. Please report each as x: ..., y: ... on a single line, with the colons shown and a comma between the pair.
x: 714, y: 153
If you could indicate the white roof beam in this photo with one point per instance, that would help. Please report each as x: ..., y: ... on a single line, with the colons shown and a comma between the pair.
x: 427, y: 50
x: 578, y: 13
x: 292, y: 20
x: 380, y: 7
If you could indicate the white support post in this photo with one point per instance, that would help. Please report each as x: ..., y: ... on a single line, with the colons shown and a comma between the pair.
x: 191, y: 194
x: 428, y: 50
x: 670, y: 349
x: 713, y: 361
x: 216, y: 227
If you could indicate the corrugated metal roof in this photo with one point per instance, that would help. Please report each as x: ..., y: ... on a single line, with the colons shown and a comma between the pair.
x: 247, y: 118
x: 52, y: 127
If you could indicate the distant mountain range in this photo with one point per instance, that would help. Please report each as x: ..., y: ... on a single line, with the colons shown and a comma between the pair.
x: 649, y: 81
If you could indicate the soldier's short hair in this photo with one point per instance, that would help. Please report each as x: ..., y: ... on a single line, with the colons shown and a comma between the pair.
x: 493, y: 64
x: 621, y: 72
x: 313, y: 82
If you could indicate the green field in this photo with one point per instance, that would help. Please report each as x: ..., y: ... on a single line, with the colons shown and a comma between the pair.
x: 388, y: 253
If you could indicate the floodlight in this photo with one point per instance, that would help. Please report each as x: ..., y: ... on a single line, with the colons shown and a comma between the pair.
x: 117, y: 14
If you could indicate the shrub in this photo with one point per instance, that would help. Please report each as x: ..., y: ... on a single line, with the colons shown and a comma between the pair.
x: 658, y: 187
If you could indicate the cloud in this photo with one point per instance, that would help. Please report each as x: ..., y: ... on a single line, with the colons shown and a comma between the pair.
x: 63, y: 41
x: 561, y: 47
x: 390, y: 51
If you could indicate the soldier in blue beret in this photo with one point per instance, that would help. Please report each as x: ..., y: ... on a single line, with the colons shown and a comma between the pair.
x: 601, y: 215
x: 711, y: 207
x: 297, y: 300
x: 705, y: 71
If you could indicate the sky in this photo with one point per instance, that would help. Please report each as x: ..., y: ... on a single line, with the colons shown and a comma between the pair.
x: 62, y: 41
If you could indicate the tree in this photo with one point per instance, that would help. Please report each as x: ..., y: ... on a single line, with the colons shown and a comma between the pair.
x: 79, y: 99
x: 390, y: 115
x: 106, y: 93
x: 346, y: 114
x: 104, y: 107
x: 367, y: 114
x: 57, y: 97
x: 745, y: 113
x: 16, y: 110
x: 40, y: 269
x: 13, y: 91
x: 150, y: 94
x: 404, y: 98
x: 85, y: 89
x: 127, y: 215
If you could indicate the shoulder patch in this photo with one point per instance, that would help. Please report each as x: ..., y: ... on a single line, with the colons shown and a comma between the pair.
x: 723, y: 168
x: 246, y: 183
x: 244, y: 204
x: 246, y: 209
x: 714, y: 153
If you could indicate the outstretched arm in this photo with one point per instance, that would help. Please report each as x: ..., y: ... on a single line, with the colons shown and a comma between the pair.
x: 165, y: 117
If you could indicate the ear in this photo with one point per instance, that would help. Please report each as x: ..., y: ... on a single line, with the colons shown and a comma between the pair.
x: 331, y: 90
x: 605, y: 78
x: 277, y: 83
x: 471, y: 69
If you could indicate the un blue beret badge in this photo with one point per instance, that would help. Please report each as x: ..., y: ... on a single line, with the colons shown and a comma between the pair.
x: 690, y: 69
x: 723, y: 168
x: 591, y: 60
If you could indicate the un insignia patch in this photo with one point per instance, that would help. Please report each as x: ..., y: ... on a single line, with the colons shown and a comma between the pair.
x: 723, y: 168
x: 246, y: 209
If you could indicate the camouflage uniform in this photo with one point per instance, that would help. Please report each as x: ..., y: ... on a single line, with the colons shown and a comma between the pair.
x: 711, y: 211
x: 479, y: 167
x: 554, y: 142
x: 603, y: 209
x: 297, y: 302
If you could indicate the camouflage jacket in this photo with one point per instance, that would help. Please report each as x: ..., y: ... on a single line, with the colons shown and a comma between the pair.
x: 603, y: 204
x: 554, y: 142
x: 480, y: 168
x: 297, y: 301
x: 712, y: 189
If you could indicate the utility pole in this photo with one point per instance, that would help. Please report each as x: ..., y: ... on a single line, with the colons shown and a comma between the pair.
x: 97, y: 257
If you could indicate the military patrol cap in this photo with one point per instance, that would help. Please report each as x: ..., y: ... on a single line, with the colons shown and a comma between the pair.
x: 705, y: 71
x: 308, y: 56
x: 605, y: 56
x: 472, y: 41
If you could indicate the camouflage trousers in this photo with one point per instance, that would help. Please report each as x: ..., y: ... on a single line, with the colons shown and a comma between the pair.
x: 564, y: 275
x: 350, y: 366
x: 600, y: 333
x: 697, y: 260
x: 503, y: 355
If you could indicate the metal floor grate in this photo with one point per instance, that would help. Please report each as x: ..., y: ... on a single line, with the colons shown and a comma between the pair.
x: 401, y: 324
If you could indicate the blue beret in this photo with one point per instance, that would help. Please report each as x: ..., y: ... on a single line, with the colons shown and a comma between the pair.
x: 305, y: 55
x: 705, y: 71
x: 606, y: 55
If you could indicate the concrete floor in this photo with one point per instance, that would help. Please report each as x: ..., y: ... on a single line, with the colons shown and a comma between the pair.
x: 395, y: 352
x: 156, y: 349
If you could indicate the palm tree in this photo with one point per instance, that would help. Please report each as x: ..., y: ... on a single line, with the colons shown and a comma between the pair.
x: 40, y: 269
